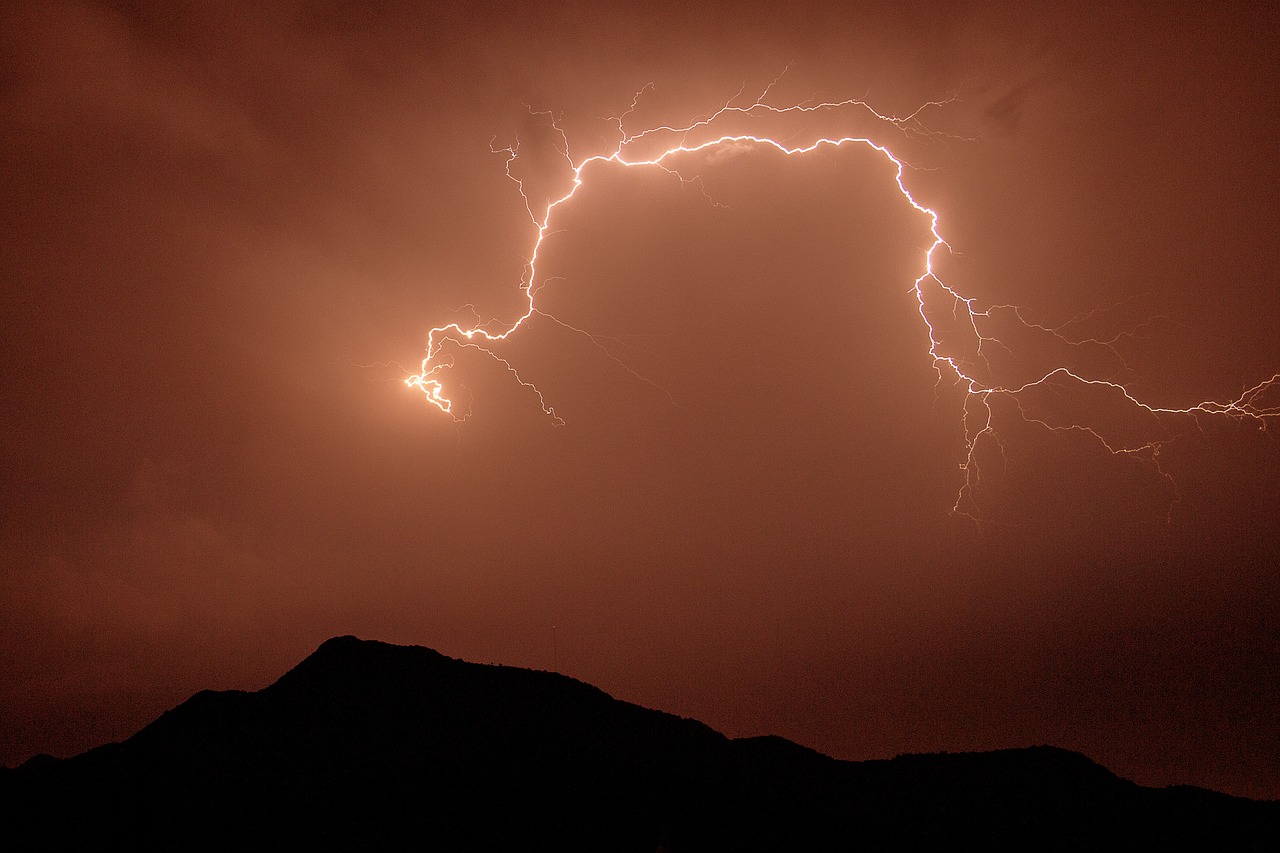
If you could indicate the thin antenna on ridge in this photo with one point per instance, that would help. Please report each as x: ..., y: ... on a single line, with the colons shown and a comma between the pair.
x: 555, y: 663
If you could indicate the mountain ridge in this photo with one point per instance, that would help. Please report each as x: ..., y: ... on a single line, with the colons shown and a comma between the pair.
x: 377, y: 746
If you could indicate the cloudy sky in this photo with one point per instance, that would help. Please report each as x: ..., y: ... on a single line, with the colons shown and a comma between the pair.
x: 227, y: 232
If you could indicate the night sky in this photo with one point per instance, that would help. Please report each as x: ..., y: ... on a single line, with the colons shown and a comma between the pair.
x: 227, y: 231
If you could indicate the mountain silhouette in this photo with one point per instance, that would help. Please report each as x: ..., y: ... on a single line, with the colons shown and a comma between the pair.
x: 366, y: 745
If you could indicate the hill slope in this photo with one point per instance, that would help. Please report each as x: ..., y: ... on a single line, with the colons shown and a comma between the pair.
x: 366, y: 745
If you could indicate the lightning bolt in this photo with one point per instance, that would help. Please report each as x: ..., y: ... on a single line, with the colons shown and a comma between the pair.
x: 961, y: 333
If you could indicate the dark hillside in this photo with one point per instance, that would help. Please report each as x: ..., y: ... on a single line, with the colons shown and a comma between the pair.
x: 368, y: 745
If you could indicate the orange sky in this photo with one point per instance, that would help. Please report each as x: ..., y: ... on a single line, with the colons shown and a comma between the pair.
x: 228, y: 232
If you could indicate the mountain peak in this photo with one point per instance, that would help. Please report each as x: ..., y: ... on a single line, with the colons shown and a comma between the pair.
x: 348, y: 646
x: 352, y: 660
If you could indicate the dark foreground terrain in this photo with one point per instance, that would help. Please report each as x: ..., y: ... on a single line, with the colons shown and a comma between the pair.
x: 366, y: 745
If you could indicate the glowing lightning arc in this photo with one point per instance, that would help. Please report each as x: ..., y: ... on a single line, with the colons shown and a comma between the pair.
x: 978, y: 416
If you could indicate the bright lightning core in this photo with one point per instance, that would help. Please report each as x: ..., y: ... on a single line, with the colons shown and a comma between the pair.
x: 960, y: 334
